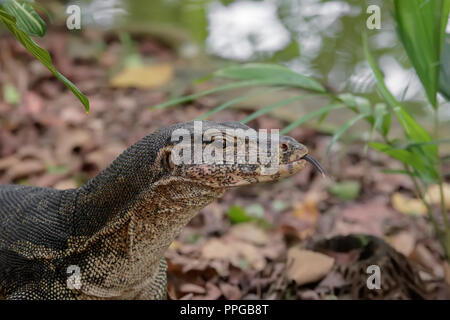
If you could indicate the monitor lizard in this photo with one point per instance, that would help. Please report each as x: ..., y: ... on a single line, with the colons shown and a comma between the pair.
x: 106, y: 239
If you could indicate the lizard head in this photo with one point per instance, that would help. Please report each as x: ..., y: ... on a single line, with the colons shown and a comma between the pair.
x: 230, y: 154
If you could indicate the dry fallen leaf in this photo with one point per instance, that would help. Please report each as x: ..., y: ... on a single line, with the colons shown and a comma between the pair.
x: 144, y: 77
x: 423, y: 256
x: 403, y: 242
x: 216, y: 249
x: 249, y: 232
x: 408, y: 206
x: 24, y: 168
x: 365, y: 218
x: 192, y: 288
x: 238, y: 253
x: 308, y: 213
x: 101, y: 158
x: 306, y: 266
x: 433, y: 195
x: 229, y: 291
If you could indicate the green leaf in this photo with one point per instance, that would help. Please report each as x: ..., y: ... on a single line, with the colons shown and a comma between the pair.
x: 253, y: 74
x: 412, y: 129
x: 27, y: 19
x: 403, y: 172
x: 237, y: 214
x: 310, y: 116
x: 382, y: 119
x: 346, y: 190
x: 11, y: 94
x: 349, y: 100
x: 421, y: 26
x: 415, y: 132
x: 416, y: 161
x: 387, y: 95
x: 444, y: 79
x: 275, y: 74
x: 344, y: 128
x: 42, y: 55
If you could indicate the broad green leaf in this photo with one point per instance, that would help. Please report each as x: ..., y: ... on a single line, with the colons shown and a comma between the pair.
x: 444, y: 79
x: 27, y: 19
x: 421, y: 26
x: 42, y: 55
x: 275, y: 74
x: 311, y: 115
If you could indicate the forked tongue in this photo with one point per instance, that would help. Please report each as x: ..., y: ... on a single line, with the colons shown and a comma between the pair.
x: 315, y: 164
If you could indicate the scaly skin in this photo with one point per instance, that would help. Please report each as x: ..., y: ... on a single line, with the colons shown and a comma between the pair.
x: 116, y: 228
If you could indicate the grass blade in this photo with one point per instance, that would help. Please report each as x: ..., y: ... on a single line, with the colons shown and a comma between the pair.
x: 194, y: 96
x: 230, y: 103
x: 310, y: 116
x: 274, y: 106
x: 276, y: 74
x: 387, y: 95
x: 344, y: 128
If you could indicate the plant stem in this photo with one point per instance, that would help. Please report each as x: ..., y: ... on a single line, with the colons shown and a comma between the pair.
x: 430, y: 213
x: 441, y: 184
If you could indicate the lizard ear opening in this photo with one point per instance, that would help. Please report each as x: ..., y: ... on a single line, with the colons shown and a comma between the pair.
x: 166, y: 160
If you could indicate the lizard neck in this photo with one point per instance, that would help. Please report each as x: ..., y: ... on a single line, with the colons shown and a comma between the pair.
x: 159, y: 215
x: 132, y: 252
x: 104, y: 200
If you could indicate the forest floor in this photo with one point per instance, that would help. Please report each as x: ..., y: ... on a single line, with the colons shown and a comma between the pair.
x: 255, y: 243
